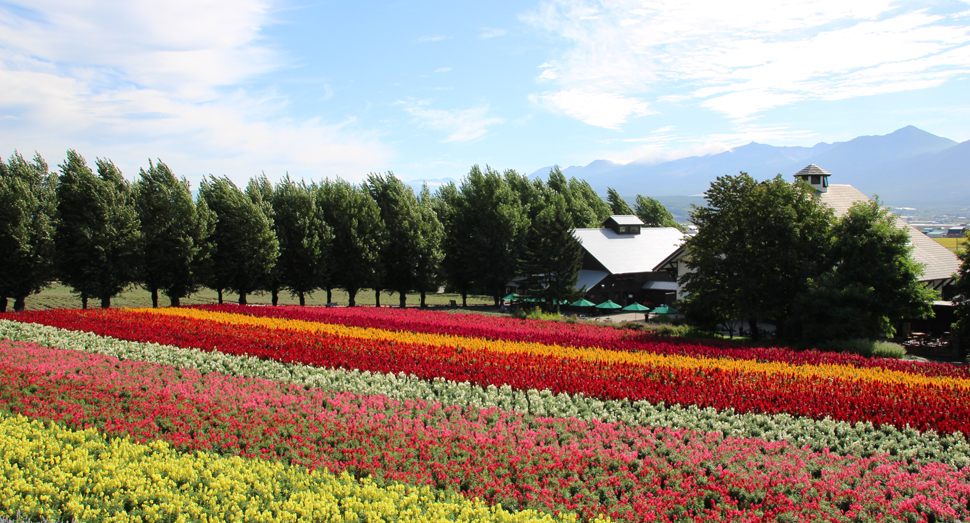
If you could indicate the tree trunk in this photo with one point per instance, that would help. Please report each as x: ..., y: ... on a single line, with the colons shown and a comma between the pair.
x: 84, y: 300
x: 403, y: 301
x: 154, y: 297
x: 352, y: 301
x: 175, y: 301
x: 496, y: 299
x: 753, y: 323
x: 329, y: 295
x: 106, y: 302
x: 464, y: 298
x: 220, y: 295
x: 18, y: 303
x: 302, y: 299
x: 3, y: 304
x: 242, y: 298
x: 377, y: 297
x: 423, y: 304
x: 276, y: 297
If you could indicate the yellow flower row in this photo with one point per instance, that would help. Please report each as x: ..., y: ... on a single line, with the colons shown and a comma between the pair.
x: 60, y: 474
x: 827, y: 371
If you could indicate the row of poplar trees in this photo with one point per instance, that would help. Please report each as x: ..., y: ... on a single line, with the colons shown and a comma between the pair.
x: 99, y: 234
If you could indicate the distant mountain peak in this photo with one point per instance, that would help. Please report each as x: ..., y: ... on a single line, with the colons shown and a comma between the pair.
x: 908, y: 166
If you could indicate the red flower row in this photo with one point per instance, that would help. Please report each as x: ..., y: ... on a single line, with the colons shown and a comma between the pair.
x: 520, y: 461
x: 942, y: 409
x: 575, y: 335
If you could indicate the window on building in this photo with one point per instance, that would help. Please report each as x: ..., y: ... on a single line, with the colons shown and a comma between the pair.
x: 816, y: 179
x: 622, y: 229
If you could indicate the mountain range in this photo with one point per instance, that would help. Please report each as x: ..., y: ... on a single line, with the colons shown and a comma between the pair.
x: 908, y: 167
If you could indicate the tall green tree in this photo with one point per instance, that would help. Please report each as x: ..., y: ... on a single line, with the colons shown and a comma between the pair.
x: 553, y: 255
x: 757, y: 246
x: 430, y: 254
x: 403, y: 219
x: 304, y: 239
x: 601, y: 211
x: 358, y: 234
x: 871, y: 256
x: 653, y: 213
x: 617, y: 204
x: 580, y: 212
x: 246, y: 247
x: 457, y: 266
x: 27, y: 207
x: 174, y: 233
x: 97, y: 232
x: 494, y: 225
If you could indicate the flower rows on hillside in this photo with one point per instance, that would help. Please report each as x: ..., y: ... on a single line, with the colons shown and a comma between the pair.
x: 570, y: 335
x: 519, y: 424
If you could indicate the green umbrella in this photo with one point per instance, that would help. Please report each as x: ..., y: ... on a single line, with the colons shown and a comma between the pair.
x: 609, y: 304
x: 583, y: 303
x: 511, y: 297
x: 636, y: 307
x: 664, y: 309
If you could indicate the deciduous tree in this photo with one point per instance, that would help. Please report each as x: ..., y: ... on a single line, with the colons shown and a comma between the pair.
x: 97, y: 233
x: 757, y: 246
x: 27, y: 207
x: 246, y: 247
x: 358, y: 234
x: 174, y: 233
x: 653, y: 213
x: 303, y: 236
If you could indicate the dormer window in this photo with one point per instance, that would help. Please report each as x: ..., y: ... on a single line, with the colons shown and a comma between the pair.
x: 623, y: 225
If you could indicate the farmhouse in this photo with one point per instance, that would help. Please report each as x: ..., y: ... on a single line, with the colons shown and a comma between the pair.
x: 939, y: 263
x: 619, y: 261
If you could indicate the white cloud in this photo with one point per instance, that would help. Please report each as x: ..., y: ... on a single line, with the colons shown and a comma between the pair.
x: 742, y: 58
x: 601, y: 109
x: 490, y: 32
x: 461, y: 125
x: 132, y: 80
x: 442, y: 70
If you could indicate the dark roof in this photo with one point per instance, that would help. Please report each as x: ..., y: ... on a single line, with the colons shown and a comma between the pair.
x: 623, y: 219
x: 813, y: 169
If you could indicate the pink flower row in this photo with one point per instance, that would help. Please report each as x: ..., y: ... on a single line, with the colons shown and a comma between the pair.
x: 630, y: 473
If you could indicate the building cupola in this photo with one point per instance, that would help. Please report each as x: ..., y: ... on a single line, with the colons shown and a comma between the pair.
x: 815, y: 176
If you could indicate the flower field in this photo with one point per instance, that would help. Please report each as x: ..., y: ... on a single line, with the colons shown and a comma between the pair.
x: 371, y: 414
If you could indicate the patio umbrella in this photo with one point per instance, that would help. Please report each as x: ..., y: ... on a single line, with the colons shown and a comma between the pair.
x: 664, y: 309
x: 609, y: 304
x: 636, y: 307
x: 511, y: 297
x: 583, y: 303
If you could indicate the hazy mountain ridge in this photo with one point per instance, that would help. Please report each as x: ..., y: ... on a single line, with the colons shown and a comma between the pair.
x: 906, y: 167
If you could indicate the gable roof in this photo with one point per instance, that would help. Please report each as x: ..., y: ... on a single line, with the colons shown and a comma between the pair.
x: 630, y: 253
x: 623, y: 219
x: 939, y: 263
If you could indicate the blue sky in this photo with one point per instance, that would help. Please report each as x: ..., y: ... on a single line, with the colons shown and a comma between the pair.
x: 427, y: 89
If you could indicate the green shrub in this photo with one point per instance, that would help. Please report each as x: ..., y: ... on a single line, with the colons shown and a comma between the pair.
x: 534, y: 313
x: 888, y: 349
x: 864, y: 347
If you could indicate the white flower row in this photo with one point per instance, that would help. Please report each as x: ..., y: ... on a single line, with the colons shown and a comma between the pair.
x: 860, y: 439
